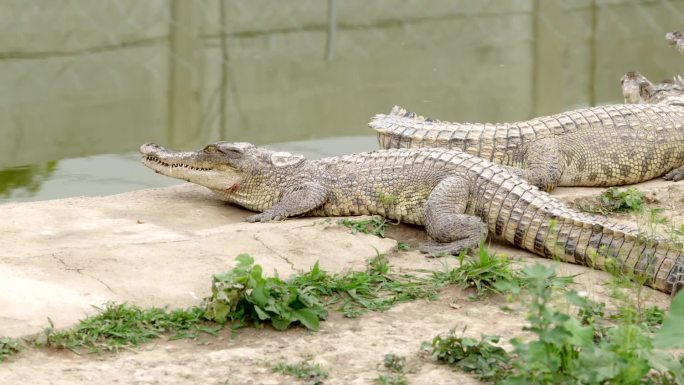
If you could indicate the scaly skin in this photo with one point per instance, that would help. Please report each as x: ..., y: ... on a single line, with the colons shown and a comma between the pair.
x: 459, y: 198
x: 598, y: 146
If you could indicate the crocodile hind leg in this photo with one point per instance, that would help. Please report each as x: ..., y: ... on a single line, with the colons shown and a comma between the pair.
x: 675, y: 175
x: 543, y: 163
x: 450, y: 229
x: 542, y: 166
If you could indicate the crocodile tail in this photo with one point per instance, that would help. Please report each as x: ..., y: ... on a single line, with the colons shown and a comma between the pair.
x: 404, y: 129
x: 535, y: 221
x: 592, y: 241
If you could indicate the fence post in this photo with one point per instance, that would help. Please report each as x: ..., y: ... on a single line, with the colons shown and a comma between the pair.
x: 184, y: 68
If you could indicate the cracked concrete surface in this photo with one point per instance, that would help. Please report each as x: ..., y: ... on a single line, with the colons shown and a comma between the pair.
x: 153, y: 248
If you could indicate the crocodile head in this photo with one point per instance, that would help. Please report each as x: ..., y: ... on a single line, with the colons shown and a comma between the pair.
x: 217, y: 166
x: 676, y: 39
x: 221, y: 166
x: 636, y: 88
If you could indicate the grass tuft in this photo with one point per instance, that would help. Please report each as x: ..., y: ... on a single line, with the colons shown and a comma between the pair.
x: 376, y: 225
x: 9, y: 347
x: 123, y: 325
x: 396, y: 365
x: 615, y: 200
x: 303, y: 370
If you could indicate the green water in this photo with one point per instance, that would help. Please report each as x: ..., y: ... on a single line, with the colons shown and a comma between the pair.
x: 109, y: 174
x: 83, y: 84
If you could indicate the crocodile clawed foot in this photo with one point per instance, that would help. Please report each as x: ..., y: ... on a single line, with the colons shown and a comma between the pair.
x: 675, y: 175
x: 452, y: 248
x: 263, y: 217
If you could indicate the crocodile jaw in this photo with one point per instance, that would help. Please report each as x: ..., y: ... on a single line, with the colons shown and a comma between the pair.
x: 194, y: 167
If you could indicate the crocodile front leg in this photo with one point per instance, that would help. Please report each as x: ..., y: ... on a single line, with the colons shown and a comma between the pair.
x: 451, y: 230
x: 296, y: 200
x: 675, y: 175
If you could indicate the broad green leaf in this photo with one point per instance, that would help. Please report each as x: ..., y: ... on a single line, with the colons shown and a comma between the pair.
x: 218, y: 311
x: 307, y: 317
x: 244, y: 260
x: 580, y: 335
x: 261, y: 313
x: 671, y: 334
x: 600, y: 365
x: 260, y: 294
x: 280, y: 323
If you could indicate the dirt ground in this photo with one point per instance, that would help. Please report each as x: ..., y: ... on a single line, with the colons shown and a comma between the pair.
x: 160, y: 247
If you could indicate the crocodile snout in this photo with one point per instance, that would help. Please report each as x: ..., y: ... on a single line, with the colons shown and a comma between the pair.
x: 150, y: 147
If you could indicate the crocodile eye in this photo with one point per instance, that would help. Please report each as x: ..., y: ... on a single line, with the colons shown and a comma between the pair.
x: 210, y: 149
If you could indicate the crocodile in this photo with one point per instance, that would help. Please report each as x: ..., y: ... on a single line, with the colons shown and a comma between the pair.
x: 458, y: 197
x: 598, y: 146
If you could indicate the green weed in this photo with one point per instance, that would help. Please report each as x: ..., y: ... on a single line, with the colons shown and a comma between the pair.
x: 488, y: 361
x: 486, y: 272
x: 303, y: 370
x: 123, y: 325
x: 392, y: 379
x: 678, y: 231
x: 568, y: 349
x: 675, y: 233
x: 671, y: 334
x: 397, y: 366
x: 403, y: 246
x: 376, y: 225
x: 491, y: 274
x: 243, y: 294
x: 9, y: 347
x: 374, y: 289
x: 614, y: 200
x: 394, y: 362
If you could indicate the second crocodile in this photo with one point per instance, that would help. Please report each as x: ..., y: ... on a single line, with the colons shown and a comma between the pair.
x: 598, y: 146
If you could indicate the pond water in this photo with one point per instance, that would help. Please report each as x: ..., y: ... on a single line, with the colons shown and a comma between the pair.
x: 83, y: 84
x: 109, y: 174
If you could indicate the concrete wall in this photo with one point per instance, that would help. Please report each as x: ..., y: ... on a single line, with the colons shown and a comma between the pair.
x: 80, y: 77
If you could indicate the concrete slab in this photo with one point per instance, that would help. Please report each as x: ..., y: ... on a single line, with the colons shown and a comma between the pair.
x: 154, y: 247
